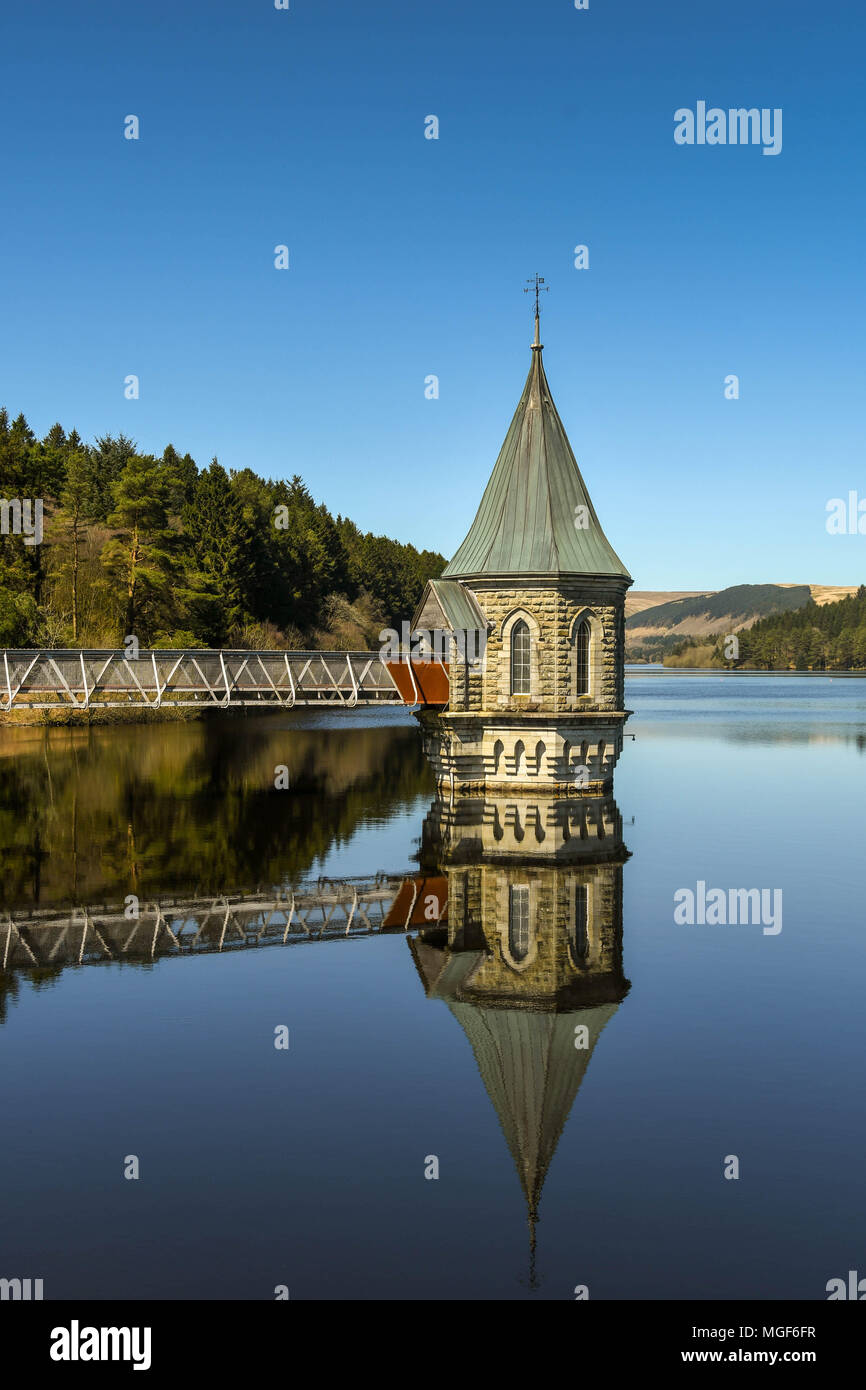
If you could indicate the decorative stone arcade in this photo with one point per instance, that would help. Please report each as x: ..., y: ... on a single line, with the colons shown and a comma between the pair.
x: 538, y: 594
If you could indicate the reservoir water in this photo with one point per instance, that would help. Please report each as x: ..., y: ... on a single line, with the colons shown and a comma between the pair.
x: 540, y: 1083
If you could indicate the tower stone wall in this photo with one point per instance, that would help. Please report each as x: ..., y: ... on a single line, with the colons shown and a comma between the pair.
x: 552, y: 609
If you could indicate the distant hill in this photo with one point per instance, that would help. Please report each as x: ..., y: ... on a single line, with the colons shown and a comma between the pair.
x: 829, y: 636
x: 655, y: 627
x: 636, y: 600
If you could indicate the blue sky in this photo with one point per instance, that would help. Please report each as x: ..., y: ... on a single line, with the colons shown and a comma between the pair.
x: 408, y: 256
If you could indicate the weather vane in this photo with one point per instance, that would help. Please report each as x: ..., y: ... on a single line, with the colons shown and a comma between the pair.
x: 536, y: 284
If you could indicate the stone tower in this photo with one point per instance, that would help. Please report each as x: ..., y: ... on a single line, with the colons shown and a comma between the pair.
x: 534, y: 602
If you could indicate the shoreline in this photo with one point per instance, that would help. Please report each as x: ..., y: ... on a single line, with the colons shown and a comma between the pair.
x: 72, y: 718
x: 651, y: 669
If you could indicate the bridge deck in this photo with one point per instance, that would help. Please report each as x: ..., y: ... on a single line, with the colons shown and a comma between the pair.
x: 195, y: 679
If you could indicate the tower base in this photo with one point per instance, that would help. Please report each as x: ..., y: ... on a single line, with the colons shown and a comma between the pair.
x: 563, y: 755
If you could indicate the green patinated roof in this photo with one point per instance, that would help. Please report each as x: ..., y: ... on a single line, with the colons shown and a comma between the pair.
x: 525, y: 524
x: 459, y: 608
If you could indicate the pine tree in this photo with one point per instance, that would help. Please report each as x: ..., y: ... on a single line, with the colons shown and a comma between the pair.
x: 76, y: 499
x: 52, y: 454
x: 224, y: 543
x: 142, y: 556
x: 180, y: 476
x: 110, y: 457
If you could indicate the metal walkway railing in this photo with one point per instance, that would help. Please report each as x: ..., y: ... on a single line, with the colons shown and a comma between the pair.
x: 188, y: 679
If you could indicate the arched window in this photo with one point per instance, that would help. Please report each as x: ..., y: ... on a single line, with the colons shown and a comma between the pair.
x: 580, y: 927
x: 581, y: 643
x: 520, y: 649
x: 518, y: 922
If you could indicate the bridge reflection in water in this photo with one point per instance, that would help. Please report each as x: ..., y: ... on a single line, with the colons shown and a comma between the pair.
x: 329, y: 909
x: 514, y: 923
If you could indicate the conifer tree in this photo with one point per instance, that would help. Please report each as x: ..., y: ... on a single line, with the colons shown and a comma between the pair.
x: 76, y: 499
x: 142, y: 555
x: 222, y: 540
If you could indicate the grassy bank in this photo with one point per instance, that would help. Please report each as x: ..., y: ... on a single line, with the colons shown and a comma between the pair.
x: 64, y: 716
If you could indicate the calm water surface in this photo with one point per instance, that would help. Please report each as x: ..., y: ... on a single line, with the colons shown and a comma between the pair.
x: 559, y: 1164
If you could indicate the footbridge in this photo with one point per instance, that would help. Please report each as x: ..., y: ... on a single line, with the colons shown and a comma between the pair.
x: 154, y: 679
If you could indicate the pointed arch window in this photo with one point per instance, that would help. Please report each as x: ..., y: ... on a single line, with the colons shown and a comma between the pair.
x: 520, y: 657
x: 581, y: 643
x: 518, y: 921
x: 580, y: 926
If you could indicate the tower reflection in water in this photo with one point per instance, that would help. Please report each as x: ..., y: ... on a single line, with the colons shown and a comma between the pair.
x: 526, y: 953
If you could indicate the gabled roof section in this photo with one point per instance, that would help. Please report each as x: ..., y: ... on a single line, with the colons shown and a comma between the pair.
x: 459, y: 608
x: 526, y: 522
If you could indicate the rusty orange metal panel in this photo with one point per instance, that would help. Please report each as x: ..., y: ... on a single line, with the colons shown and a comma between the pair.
x: 431, y: 679
x: 419, y: 903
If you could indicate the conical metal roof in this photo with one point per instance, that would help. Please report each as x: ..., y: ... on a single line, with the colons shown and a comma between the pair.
x: 530, y: 518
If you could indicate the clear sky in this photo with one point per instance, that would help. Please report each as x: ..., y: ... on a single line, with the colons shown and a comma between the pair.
x: 305, y: 127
